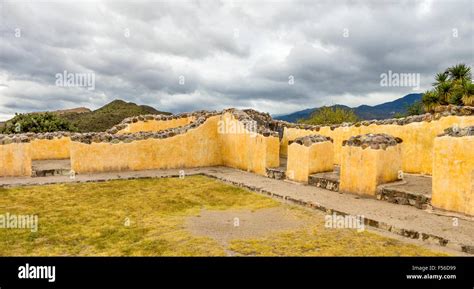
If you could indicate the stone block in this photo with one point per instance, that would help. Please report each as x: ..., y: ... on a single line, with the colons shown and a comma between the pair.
x: 308, y: 155
x: 368, y: 161
x: 15, y: 160
x: 453, y: 171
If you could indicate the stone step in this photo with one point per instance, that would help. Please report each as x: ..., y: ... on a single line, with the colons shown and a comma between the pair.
x: 50, y: 168
x: 276, y: 173
x: 401, y: 197
x: 413, y: 190
x: 328, y: 181
x: 49, y: 173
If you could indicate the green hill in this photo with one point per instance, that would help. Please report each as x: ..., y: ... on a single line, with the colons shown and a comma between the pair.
x: 108, y: 115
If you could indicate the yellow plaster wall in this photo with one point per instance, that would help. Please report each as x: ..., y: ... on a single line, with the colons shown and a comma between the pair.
x: 273, y: 152
x: 15, y: 160
x: 46, y: 149
x: 453, y: 174
x: 362, y: 170
x: 246, y: 150
x: 156, y: 125
x: 196, y: 148
x: 304, y: 161
x: 202, y: 146
x: 418, y: 139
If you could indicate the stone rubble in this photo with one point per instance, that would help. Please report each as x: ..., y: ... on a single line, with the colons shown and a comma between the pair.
x: 28, y: 137
x: 158, y: 117
x: 458, y: 132
x: 266, y: 126
x: 310, y: 140
x: 373, y: 141
x: 201, y: 117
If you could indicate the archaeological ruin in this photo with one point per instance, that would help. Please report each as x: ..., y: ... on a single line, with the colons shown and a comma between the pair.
x: 368, y: 158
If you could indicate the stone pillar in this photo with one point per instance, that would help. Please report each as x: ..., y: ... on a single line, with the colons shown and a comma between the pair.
x: 453, y: 171
x: 308, y: 155
x: 368, y: 161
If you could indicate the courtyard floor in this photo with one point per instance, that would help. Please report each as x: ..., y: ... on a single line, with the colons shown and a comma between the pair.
x: 190, y: 216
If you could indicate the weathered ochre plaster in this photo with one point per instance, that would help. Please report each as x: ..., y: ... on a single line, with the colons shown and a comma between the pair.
x: 47, y: 149
x: 304, y: 161
x: 15, y: 160
x: 156, y: 125
x: 205, y: 145
x: 362, y: 170
x: 418, y: 139
x: 453, y: 174
x: 246, y: 150
x: 196, y: 148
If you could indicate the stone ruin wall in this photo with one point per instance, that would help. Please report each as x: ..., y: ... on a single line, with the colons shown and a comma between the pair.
x: 57, y: 145
x: 15, y: 159
x: 308, y: 155
x: 195, y: 147
x: 453, y: 172
x: 368, y: 161
x: 152, y: 123
x: 51, y: 147
x: 248, y: 151
x: 199, y: 142
x: 418, y: 134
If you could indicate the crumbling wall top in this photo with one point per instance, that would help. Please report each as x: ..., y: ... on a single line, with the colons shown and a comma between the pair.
x: 458, y: 132
x: 374, y: 141
x: 311, y: 139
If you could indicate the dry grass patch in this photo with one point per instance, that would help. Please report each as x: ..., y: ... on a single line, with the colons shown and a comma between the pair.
x: 90, y: 219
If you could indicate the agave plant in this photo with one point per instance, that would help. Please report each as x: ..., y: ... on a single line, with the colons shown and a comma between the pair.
x: 441, y: 77
x: 453, y: 86
x: 460, y: 72
x: 444, y: 92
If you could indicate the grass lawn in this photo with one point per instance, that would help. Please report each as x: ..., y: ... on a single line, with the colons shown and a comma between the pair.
x: 148, y: 218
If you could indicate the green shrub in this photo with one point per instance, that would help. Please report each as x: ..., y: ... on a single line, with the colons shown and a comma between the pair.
x: 36, y: 122
x: 331, y: 115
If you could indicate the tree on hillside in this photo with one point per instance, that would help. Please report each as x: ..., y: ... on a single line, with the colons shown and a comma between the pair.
x: 415, y: 108
x: 36, y: 122
x: 331, y: 115
x: 453, y: 86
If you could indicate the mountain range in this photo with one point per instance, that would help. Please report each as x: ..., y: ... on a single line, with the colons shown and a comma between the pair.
x: 86, y: 120
x: 365, y: 112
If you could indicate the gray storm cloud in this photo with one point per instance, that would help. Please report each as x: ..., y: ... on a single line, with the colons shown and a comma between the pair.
x: 187, y: 55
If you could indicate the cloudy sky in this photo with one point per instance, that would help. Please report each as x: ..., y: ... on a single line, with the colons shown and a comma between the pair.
x: 274, y: 56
